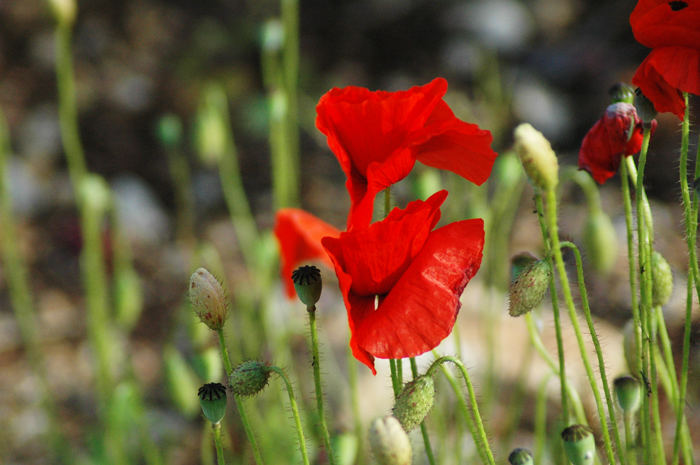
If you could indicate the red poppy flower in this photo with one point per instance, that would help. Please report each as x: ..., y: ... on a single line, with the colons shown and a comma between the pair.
x: 673, y: 66
x: 616, y: 134
x: 401, y: 281
x: 378, y: 136
x: 299, y: 236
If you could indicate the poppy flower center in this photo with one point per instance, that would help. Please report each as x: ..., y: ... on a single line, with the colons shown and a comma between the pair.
x: 675, y: 6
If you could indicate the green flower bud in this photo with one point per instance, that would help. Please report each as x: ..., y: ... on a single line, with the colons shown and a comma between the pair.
x: 645, y: 109
x: 389, y: 442
x: 536, y: 155
x: 628, y: 393
x: 529, y: 288
x: 308, y: 284
x: 414, y: 402
x: 249, y: 378
x: 621, y: 92
x: 600, y: 241
x: 520, y: 457
x: 208, y: 299
x: 519, y: 262
x: 579, y: 444
x: 663, y: 279
x: 212, y: 399
x: 169, y: 130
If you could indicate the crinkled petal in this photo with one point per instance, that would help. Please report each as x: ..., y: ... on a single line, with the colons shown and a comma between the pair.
x: 658, y: 23
x: 421, y: 308
x: 457, y: 146
x: 665, y: 73
x: 299, y: 236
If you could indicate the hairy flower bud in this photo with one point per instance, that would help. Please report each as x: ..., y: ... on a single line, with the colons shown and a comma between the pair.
x: 529, y: 288
x: 579, y: 444
x: 208, y: 299
x: 628, y: 393
x: 663, y: 279
x: 389, y: 442
x: 600, y: 241
x: 249, y: 378
x: 536, y: 155
x: 414, y: 402
x: 520, y: 457
x: 308, y: 284
x: 212, y: 399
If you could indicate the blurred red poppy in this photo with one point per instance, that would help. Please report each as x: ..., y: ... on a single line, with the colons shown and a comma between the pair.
x: 616, y: 134
x: 401, y: 281
x: 377, y: 137
x: 673, y: 66
x: 299, y: 236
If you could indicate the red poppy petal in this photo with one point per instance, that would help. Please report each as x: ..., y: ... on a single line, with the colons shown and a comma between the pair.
x: 299, y: 236
x: 456, y: 146
x: 662, y: 73
x: 659, y: 23
x: 377, y: 256
x: 421, y: 309
x: 595, y: 155
x: 358, y: 307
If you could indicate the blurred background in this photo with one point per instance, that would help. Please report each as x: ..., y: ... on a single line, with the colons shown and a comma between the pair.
x: 547, y: 62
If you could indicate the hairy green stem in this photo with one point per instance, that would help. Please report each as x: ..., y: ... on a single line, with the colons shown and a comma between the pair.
x: 318, y: 385
x: 553, y: 230
x: 355, y: 402
x: 423, y: 428
x: 220, y: 460
x: 295, y: 412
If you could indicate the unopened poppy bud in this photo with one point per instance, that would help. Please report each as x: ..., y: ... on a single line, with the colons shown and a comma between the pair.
x: 212, y: 399
x: 520, y: 457
x: 579, y: 444
x: 628, y: 393
x: 389, y: 442
x: 529, y: 288
x: 600, y: 241
x: 208, y: 299
x: 536, y: 155
x: 64, y: 11
x: 645, y: 108
x: 249, y: 378
x: 663, y: 279
x: 519, y: 262
x: 621, y: 92
x: 414, y: 402
x: 169, y: 130
x: 308, y: 284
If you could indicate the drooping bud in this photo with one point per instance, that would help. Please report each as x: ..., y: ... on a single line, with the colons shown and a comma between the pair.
x: 208, y: 299
x: 249, y: 378
x: 414, y: 402
x: 520, y: 457
x: 663, y: 279
x: 529, y: 288
x: 536, y: 155
x: 212, y: 399
x: 628, y: 393
x: 600, y: 241
x: 389, y: 442
x: 579, y: 444
x: 645, y: 108
x: 308, y: 284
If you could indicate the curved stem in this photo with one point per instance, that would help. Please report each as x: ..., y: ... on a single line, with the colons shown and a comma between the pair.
x: 599, y: 352
x: 481, y: 433
x: 317, y: 384
x: 553, y: 229
x: 295, y: 412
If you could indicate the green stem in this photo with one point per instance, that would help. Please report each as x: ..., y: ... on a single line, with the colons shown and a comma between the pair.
x: 481, y: 436
x: 629, y: 435
x: 220, y: 460
x: 553, y: 229
x: 540, y: 421
x: 295, y: 412
x: 395, y: 384
x: 317, y: 384
x: 355, y: 402
x: 423, y: 428
x: 555, y: 310
x: 598, y: 350
x: 239, y: 403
